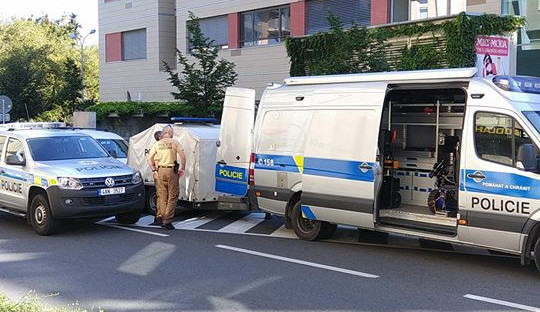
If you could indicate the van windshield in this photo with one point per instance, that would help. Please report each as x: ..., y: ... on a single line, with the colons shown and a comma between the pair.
x: 65, y: 147
x: 534, y: 118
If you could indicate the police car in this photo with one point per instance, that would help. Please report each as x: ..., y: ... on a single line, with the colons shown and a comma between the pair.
x: 50, y: 174
x: 114, y: 144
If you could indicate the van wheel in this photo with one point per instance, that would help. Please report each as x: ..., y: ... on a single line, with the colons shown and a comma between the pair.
x: 305, y: 229
x: 151, y: 201
x: 41, y: 217
x: 128, y: 217
x: 327, y: 230
x: 537, y: 254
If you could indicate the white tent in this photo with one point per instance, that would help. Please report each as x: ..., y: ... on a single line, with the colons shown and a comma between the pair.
x: 199, y: 143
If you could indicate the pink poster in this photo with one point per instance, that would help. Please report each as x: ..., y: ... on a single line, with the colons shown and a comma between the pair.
x: 492, y: 55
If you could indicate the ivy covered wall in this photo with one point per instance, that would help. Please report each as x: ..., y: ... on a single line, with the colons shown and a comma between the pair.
x: 424, y: 45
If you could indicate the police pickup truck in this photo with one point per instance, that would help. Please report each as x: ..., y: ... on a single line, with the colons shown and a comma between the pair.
x: 51, y: 174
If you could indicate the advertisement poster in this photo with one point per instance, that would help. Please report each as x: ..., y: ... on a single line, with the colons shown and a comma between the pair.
x: 492, y: 55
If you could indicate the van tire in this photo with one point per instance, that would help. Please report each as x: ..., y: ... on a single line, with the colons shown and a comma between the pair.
x: 537, y: 254
x: 41, y: 217
x: 128, y: 217
x: 303, y: 228
x: 327, y: 230
x: 151, y: 201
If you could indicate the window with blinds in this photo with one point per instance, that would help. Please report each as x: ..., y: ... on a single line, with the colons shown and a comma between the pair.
x: 268, y: 26
x: 348, y: 11
x: 216, y: 29
x: 134, y: 44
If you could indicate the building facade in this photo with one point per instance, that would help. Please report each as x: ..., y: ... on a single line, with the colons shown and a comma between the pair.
x: 137, y: 36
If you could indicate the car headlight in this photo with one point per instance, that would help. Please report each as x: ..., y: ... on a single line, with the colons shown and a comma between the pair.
x: 137, y: 178
x: 70, y: 183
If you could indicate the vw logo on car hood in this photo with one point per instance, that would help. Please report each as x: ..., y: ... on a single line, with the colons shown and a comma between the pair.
x: 109, y: 182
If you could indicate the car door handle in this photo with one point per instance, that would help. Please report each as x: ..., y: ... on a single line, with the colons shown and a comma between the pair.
x: 222, y: 162
x: 477, y: 176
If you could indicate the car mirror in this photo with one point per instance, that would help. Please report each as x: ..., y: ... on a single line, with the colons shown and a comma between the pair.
x: 527, y: 158
x: 14, y: 160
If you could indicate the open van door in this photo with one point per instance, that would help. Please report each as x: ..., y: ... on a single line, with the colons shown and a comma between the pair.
x: 235, y: 139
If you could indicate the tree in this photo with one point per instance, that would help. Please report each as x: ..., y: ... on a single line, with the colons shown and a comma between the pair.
x: 39, y: 68
x: 202, y: 83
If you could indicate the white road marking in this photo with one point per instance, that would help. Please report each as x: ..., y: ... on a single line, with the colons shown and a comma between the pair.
x: 283, y: 233
x: 191, y: 224
x: 107, y: 219
x: 503, y: 303
x: 148, y: 259
x: 244, y: 224
x: 302, y: 262
x: 134, y: 230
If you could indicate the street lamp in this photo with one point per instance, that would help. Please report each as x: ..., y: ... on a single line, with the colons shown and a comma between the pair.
x: 81, y: 43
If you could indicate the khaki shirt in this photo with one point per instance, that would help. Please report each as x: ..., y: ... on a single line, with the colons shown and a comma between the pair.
x: 164, y: 152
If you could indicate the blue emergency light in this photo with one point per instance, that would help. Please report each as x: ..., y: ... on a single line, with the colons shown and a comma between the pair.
x: 518, y: 84
x: 195, y: 119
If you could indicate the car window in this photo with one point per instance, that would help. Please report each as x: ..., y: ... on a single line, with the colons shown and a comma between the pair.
x: 498, y: 138
x: 116, y: 148
x: 15, y: 147
x: 65, y: 147
x: 2, y: 142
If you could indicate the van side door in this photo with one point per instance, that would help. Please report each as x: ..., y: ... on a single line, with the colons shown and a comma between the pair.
x: 340, y: 166
x: 498, y: 197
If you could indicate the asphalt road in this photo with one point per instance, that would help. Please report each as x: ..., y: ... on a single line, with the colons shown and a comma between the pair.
x: 157, y: 270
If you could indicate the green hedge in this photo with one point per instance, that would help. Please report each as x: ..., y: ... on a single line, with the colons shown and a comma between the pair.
x: 448, y: 43
x: 123, y: 109
x: 32, y: 304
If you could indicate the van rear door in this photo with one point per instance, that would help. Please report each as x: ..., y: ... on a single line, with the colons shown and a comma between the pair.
x: 235, y: 139
x: 341, y: 173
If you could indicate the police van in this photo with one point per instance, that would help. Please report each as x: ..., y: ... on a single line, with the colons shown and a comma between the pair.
x: 48, y: 174
x: 438, y: 154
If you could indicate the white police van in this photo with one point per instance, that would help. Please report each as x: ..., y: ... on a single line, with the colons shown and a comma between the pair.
x: 438, y: 154
x: 51, y: 174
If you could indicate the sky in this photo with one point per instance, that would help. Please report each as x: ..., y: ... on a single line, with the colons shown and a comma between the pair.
x: 86, y: 10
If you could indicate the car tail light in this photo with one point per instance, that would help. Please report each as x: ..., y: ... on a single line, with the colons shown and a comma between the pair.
x: 252, y: 169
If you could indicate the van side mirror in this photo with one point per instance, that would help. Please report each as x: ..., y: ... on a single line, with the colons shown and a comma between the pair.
x: 527, y: 158
x: 14, y: 160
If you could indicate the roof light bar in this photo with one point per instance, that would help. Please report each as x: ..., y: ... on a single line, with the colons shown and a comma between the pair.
x: 195, y: 119
x: 33, y: 125
x: 520, y: 84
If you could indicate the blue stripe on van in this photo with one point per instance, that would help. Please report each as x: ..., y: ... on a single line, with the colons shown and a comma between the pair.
x: 341, y: 169
x: 502, y: 183
x: 276, y: 163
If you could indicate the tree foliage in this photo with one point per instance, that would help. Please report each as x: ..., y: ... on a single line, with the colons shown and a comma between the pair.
x: 40, y: 68
x: 201, y: 84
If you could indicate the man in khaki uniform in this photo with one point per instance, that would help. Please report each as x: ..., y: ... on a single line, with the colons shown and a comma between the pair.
x: 161, y: 159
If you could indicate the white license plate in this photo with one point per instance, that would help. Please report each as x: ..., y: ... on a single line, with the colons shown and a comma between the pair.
x: 112, y: 191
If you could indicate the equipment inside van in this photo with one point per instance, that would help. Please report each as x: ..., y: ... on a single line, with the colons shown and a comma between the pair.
x: 438, y: 154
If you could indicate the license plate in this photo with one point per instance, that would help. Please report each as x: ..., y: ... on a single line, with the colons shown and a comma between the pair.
x: 112, y: 191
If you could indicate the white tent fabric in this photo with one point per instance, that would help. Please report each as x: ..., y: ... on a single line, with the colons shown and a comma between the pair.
x: 199, y: 143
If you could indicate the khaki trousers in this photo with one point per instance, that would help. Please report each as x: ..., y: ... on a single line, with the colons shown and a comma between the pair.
x: 167, y: 194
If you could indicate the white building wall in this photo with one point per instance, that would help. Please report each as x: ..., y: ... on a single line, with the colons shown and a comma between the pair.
x: 256, y: 66
x: 481, y: 6
x: 136, y: 76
